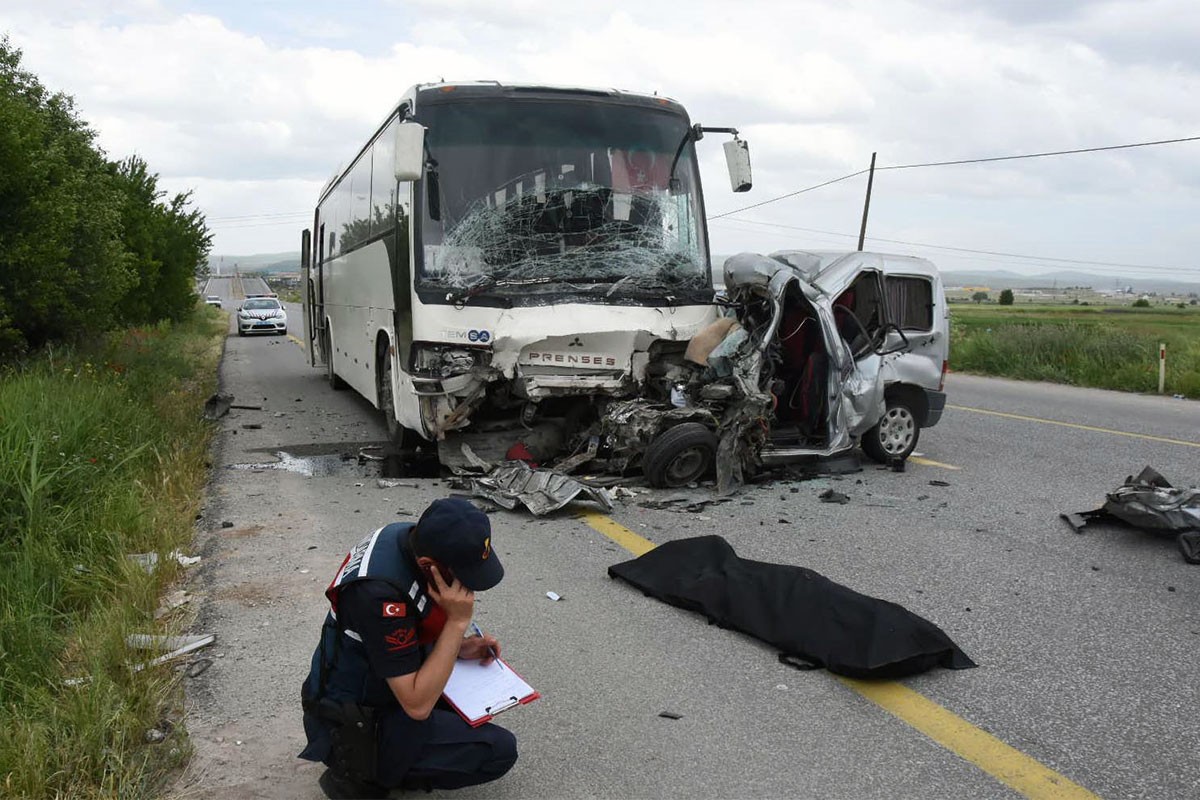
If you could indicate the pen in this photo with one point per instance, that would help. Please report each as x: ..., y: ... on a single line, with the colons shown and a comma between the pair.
x: 476, y: 630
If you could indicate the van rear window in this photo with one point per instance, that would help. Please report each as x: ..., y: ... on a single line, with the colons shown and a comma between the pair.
x: 911, y: 302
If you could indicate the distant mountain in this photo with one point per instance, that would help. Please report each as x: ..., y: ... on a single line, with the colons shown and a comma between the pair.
x: 1003, y: 279
x: 261, y: 262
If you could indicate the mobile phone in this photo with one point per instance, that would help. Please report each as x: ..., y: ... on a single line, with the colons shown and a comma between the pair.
x: 446, y: 575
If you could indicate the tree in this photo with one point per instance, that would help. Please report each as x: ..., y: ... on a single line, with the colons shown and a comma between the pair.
x: 166, y: 243
x: 979, y: 297
x: 1141, y: 302
x: 62, y: 266
x: 1006, y: 297
x: 84, y: 243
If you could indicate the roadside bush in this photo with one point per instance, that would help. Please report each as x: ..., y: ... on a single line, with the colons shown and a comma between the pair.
x: 102, y: 454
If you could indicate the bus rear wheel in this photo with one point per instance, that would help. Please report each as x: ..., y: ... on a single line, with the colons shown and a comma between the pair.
x: 335, y: 382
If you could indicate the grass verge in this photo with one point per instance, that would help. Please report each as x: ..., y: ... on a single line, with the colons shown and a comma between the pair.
x: 1103, y: 348
x: 102, y: 454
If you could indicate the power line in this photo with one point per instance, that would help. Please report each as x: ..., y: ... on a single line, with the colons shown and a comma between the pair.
x: 1103, y: 267
x: 964, y: 161
x: 790, y: 194
x: 1084, y: 262
x: 1040, y: 155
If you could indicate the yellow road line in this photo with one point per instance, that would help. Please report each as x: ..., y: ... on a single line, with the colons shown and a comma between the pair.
x: 1003, y: 762
x: 1076, y: 425
x: 931, y: 463
x: 1006, y: 764
x: 297, y: 341
x: 617, y: 532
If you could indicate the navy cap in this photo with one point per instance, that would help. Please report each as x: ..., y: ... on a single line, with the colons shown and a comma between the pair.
x: 454, y: 532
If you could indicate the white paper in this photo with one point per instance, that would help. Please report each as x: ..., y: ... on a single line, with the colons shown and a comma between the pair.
x: 476, y: 690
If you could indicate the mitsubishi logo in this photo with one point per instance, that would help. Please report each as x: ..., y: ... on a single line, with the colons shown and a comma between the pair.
x: 575, y: 343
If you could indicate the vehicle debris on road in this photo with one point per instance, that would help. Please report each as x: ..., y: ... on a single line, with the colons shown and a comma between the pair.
x: 1149, y: 502
x: 830, y: 496
x: 540, y: 490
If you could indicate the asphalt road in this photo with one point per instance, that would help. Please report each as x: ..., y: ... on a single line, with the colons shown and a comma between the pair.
x: 1086, y: 643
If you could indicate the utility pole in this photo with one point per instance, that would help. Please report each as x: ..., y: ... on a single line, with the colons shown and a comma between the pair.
x: 862, y: 232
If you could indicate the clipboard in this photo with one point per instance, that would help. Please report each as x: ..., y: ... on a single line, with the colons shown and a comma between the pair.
x: 479, y: 693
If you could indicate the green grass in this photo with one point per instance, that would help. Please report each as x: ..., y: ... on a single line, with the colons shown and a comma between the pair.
x: 1101, y: 347
x: 102, y: 454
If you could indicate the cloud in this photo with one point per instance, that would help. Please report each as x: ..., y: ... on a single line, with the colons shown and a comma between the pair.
x: 257, y: 115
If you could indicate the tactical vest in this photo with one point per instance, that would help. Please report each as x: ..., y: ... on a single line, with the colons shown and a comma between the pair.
x: 340, y: 670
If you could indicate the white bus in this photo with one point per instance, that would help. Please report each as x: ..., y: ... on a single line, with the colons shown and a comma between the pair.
x: 510, y: 260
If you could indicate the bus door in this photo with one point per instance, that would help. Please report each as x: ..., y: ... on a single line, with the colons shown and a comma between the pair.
x: 309, y: 296
x: 314, y: 320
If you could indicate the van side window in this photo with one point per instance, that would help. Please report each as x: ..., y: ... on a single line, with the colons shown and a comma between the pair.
x: 911, y: 302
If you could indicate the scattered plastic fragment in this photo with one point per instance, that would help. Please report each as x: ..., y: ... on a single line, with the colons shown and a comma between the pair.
x: 178, y: 645
x: 185, y: 561
x: 147, y: 561
x: 217, y: 406
x: 939, y: 483
x: 172, y: 601
x: 670, y: 715
x: 554, y: 596
x: 198, y: 667
x: 392, y: 483
x: 830, y: 496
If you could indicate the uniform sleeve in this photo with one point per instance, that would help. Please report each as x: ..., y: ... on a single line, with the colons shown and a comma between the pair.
x: 387, y: 623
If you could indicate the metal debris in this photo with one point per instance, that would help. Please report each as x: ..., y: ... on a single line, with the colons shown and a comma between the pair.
x: 683, y: 503
x: 540, y: 490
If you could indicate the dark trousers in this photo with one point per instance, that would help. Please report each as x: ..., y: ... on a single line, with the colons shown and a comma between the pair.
x: 454, y: 755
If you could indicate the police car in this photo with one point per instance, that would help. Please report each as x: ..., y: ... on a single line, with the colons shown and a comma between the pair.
x: 261, y: 315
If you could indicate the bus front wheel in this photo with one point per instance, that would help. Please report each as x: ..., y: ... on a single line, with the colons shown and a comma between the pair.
x: 398, y: 434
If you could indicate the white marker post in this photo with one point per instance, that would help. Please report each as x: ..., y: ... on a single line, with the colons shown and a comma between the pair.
x: 1162, y: 366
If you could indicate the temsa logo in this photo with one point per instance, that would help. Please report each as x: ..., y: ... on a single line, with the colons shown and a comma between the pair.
x: 572, y: 359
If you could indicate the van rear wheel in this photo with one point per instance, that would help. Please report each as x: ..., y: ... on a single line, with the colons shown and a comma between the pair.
x: 679, y: 456
x: 895, y: 436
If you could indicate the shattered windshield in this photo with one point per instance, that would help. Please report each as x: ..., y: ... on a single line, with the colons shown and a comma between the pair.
x: 565, y: 195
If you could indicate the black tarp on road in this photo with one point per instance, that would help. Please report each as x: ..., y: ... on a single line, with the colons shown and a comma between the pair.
x: 804, y: 614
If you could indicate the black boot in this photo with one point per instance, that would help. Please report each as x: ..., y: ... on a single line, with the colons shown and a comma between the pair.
x: 339, y: 787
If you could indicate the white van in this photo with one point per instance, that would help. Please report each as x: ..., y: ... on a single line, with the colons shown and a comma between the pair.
x: 903, y: 297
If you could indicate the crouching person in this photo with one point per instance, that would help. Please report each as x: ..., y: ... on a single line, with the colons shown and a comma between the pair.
x: 400, y: 606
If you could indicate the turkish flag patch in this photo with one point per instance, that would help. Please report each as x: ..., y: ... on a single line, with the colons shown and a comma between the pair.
x: 394, y: 610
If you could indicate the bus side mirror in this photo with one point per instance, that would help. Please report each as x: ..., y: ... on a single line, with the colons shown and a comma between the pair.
x: 737, y: 158
x: 410, y: 151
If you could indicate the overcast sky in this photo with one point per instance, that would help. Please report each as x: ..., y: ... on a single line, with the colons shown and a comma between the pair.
x: 252, y: 104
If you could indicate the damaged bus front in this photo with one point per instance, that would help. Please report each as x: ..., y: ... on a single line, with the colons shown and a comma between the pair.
x: 500, y: 263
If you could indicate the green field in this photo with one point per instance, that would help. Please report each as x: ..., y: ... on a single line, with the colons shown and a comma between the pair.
x: 1106, y: 347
